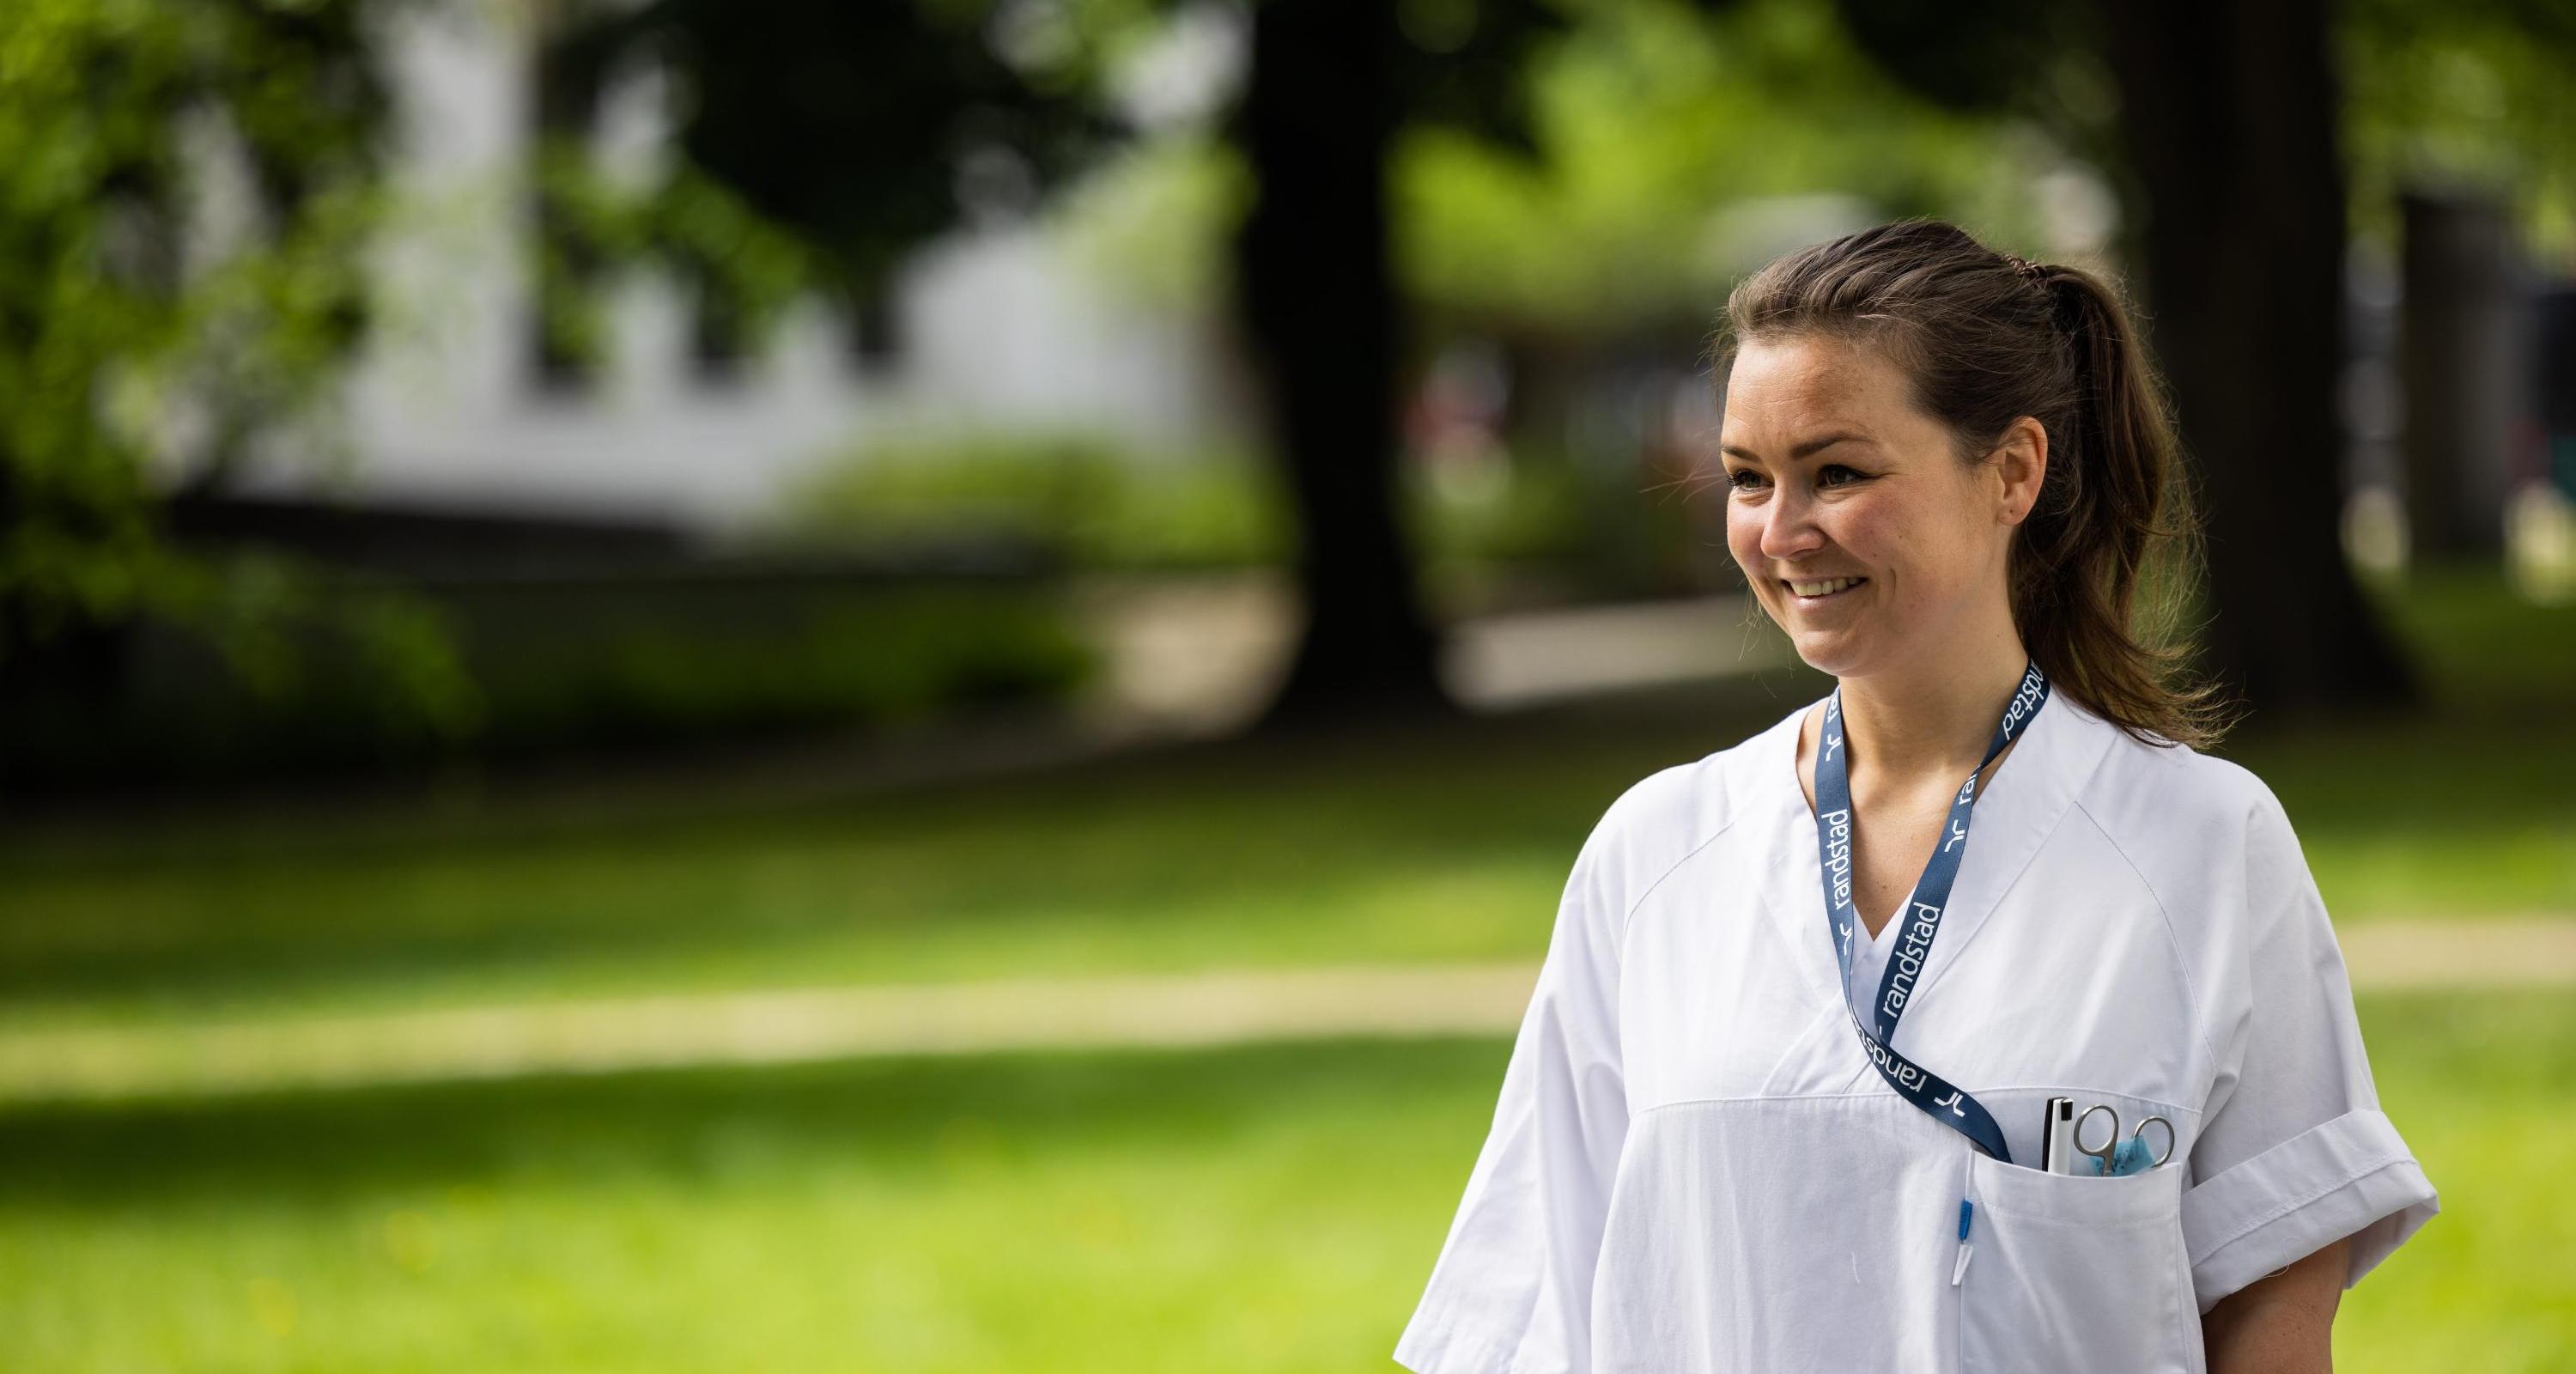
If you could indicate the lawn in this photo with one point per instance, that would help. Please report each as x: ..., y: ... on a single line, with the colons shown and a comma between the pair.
x: 1270, y: 1208
x: 1243, y: 1209
x: 1436, y: 846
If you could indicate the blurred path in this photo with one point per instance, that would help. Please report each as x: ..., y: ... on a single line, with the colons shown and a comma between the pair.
x: 975, y: 1018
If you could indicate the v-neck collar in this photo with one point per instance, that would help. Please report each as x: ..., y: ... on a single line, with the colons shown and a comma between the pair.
x: 2021, y: 804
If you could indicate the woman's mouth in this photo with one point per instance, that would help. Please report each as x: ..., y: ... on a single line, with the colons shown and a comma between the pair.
x: 1815, y: 593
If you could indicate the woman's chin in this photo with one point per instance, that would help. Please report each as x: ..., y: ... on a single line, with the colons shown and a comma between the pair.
x: 1830, y: 652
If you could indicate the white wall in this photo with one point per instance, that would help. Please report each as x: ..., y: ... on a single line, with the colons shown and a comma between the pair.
x: 444, y: 408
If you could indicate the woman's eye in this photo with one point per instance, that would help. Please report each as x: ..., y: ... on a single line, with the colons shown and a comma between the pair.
x: 1830, y: 469
x: 1731, y: 478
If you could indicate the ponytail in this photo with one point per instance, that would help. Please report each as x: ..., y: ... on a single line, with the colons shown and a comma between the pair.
x: 2103, y: 571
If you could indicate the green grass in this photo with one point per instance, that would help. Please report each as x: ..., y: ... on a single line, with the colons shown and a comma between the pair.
x: 1435, y: 850
x: 1446, y: 845
x: 1257, y: 1209
x: 2478, y: 1086
x: 1271, y: 1208
x: 2465, y: 807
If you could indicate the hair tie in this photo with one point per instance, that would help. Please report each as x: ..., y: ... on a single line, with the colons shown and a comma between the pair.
x: 2037, y: 273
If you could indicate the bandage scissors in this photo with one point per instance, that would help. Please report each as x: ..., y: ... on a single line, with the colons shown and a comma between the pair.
x: 2114, y: 1156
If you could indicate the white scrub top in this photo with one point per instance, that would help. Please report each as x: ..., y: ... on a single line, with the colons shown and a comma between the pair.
x: 1693, y: 1166
x: 1869, y: 956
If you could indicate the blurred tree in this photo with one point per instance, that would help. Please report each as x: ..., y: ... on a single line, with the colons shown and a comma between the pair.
x: 182, y: 228
x: 2225, y: 141
x: 869, y: 128
x: 1677, y: 149
x: 1649, y: 114
x: 939, y: 110
x: 862, y: 130
x: 2468, y: 93
x: 1331, y: 83
x: 2230, y: 133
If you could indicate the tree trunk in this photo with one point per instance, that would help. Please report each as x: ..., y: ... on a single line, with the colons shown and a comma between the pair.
x: 2461, y: 371
x: 2229, y: 118
x: 1319, y: 307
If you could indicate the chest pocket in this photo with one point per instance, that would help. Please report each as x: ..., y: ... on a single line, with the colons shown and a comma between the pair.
x: 2073, y: 1271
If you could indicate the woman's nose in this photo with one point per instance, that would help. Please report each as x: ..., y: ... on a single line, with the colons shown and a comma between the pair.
x: 1789, y: 527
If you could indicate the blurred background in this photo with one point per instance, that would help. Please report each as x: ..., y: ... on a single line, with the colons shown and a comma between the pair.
x: 905, y: 686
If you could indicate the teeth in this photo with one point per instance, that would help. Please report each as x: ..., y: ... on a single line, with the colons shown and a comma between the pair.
x: 1822, y: 588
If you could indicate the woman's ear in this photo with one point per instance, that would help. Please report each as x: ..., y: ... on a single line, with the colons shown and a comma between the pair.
x: 2020, y: 467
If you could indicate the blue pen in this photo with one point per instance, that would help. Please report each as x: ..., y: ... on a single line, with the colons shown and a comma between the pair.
x: 1967, y: 1218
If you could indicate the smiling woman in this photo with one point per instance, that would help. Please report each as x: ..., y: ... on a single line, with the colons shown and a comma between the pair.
x: 1723, y: 1146
x: 1866, y: 543
x: 2002, y: 428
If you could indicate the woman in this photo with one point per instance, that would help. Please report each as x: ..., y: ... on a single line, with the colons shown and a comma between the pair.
x: 1781, y: 1096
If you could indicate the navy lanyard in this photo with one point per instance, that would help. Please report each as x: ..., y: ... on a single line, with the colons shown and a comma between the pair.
x: 1922, y: 919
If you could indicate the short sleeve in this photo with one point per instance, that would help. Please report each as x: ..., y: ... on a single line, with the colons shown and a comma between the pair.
x: 1512, y: 1287
x: 2293, y: 1152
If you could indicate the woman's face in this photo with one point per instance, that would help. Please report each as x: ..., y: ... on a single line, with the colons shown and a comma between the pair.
x: 1834, y: 474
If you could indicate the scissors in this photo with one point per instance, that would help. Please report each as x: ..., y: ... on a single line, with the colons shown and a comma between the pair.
x: 2116, y: 1156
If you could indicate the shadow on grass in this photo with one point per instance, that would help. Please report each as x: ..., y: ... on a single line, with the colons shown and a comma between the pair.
x: 719, y: 1126
x: 2455, y: 1055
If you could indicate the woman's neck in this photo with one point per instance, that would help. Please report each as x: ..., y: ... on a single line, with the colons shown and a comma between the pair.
x: 1928, y: 727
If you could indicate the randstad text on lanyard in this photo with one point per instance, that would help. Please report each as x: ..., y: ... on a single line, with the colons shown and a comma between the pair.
x: 1922, y: 919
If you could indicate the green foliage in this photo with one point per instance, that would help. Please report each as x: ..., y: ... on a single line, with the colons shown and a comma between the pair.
x: 1651, y: 119
x: 501, y: 673
x: 863, y: 658
x: 685, y: 221
x: 140, y: 333
x: 1153, y: 224
x: 1084, y: 500
x: 849, y: 126
x: 1585, y: 531
x: 2454, y: 94
x: 277, y: 620
x: 1497, y: 507
x: 1648, y: 119
x: 98, y: 102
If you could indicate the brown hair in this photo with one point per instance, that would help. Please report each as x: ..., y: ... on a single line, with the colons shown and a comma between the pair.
x: 1985, y: 339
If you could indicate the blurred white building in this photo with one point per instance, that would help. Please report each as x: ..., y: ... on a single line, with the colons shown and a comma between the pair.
x: 990, y: 327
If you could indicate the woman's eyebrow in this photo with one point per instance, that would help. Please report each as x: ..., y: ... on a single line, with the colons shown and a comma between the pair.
x: 1801, y: 450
